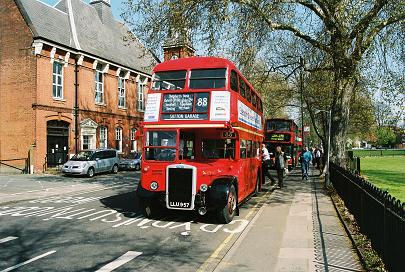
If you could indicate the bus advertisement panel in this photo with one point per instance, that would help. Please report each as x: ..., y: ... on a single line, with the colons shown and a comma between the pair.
x: 202, y: 131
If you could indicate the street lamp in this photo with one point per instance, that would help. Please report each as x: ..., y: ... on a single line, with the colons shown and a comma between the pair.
x: 302, y: 99
x: 327, y: 176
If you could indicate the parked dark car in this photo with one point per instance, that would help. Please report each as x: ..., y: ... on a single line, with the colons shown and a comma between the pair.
x: 132, y: 162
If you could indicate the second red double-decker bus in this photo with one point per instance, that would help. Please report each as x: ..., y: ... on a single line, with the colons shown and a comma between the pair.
x: 202, y: 130
x: 285, y: 133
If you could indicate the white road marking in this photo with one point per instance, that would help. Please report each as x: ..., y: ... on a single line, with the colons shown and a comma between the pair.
x: 10, y: 238
x: 29, y: 261
x: 120, y: 261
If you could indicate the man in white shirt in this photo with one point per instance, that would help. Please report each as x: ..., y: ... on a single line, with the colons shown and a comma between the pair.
x: 266, y: 165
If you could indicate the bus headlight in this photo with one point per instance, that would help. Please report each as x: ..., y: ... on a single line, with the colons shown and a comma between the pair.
x: 203, y: 187
x: 153, y: 185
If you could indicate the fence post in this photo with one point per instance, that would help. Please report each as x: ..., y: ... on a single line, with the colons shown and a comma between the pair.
x: 385, y: 224
x: 362, y: 208
x: 358, y: 165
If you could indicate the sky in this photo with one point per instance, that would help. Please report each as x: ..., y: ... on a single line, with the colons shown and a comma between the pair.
x: 115, y: 5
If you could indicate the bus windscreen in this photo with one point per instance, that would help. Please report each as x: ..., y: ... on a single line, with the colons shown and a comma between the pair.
x: 207, y: 78
x: 169, y: 80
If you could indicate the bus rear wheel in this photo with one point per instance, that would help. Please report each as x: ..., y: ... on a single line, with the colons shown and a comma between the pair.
x: 227, y: 214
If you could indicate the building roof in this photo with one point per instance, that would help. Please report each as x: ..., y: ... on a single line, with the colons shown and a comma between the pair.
x: 87, y: 28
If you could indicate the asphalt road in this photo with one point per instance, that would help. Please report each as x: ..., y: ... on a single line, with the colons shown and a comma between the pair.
x: 55, y: 223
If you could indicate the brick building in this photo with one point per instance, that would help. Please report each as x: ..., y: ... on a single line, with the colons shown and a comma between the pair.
x: 72, y: 77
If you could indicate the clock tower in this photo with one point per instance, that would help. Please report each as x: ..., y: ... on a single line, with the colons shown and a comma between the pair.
x: 177, y: 46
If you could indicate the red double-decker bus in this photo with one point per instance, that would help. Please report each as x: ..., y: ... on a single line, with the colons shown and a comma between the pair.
x: 285, y: 133
x: 202, y: 129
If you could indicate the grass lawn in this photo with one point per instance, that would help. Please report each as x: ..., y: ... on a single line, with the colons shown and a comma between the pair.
x: 386, y: 173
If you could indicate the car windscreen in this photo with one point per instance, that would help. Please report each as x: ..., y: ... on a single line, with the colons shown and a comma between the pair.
x: 82, y: 156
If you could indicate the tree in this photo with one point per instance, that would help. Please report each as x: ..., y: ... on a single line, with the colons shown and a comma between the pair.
x: 386, y: 136
x: 340, y: 31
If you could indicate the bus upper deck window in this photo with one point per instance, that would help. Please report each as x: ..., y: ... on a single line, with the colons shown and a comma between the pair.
x: 242, y: 87
x: 234, y: 81
x: 169, y: 80
x: 207, y: 78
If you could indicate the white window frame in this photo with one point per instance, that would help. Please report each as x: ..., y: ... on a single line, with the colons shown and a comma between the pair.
x: 134, y: 144
x: 86, y: 139
x: 118, y: 139
x: 121, y: 91
x: 55, y: 77
x: 141, y: 96
x: 103, y: 137
x: 99, y: 86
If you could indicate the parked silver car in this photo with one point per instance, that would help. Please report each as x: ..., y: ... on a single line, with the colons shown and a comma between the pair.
x: 91, y: 162
x: 133, y: 162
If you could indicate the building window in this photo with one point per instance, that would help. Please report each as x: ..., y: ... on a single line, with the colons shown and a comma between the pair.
x: 57, y: 84
x: 99, y: 85
x: 103, y: 137
x: 86, y: 143
x: 141, y: 101
x: 133, y: 140
x: 121, y: 90
x: 118, y: 139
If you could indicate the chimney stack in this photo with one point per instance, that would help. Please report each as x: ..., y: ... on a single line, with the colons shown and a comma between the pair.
x: 103, y: 8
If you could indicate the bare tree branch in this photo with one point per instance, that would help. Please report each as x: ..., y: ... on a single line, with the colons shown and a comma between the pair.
x: 364, y: 23
x: 283, y: 27
x: 308, y: 4
x: 363, y: 44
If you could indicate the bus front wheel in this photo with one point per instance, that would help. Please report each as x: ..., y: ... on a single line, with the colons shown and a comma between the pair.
x: 149, y: 208
x: 227, y: 214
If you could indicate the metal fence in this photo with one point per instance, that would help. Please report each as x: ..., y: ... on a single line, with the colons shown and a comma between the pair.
x: 379, y: 216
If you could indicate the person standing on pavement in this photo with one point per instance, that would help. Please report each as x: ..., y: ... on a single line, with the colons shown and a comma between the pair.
x: 280, y: 163
x: 266, y: 165
x: 306, y: 158
x: 318, y: 158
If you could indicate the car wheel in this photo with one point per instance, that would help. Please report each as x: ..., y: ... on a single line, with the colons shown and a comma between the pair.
x: 227, y: 214
x: 90, y: 172
x: 115, y: 169
x: 137, y: 167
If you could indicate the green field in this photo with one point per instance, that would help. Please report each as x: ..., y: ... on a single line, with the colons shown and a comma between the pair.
x: 386, y: 173
x: 378, y: 152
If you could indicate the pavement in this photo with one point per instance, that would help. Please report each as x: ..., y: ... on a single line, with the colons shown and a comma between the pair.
x: 296, y: 229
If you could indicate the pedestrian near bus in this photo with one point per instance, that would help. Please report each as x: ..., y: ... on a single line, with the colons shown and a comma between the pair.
x: 280, y: 163
x: 266, y: 165
x: 306, y: 158
x: 318, y: 158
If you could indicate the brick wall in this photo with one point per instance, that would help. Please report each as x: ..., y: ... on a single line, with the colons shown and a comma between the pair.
x: 17, y: 85
x: 27, y: 104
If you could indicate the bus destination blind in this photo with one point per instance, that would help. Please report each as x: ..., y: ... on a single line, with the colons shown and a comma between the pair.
x: 191, y: 106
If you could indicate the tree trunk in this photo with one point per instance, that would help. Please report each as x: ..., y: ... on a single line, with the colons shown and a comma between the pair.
x: 344, y: 86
